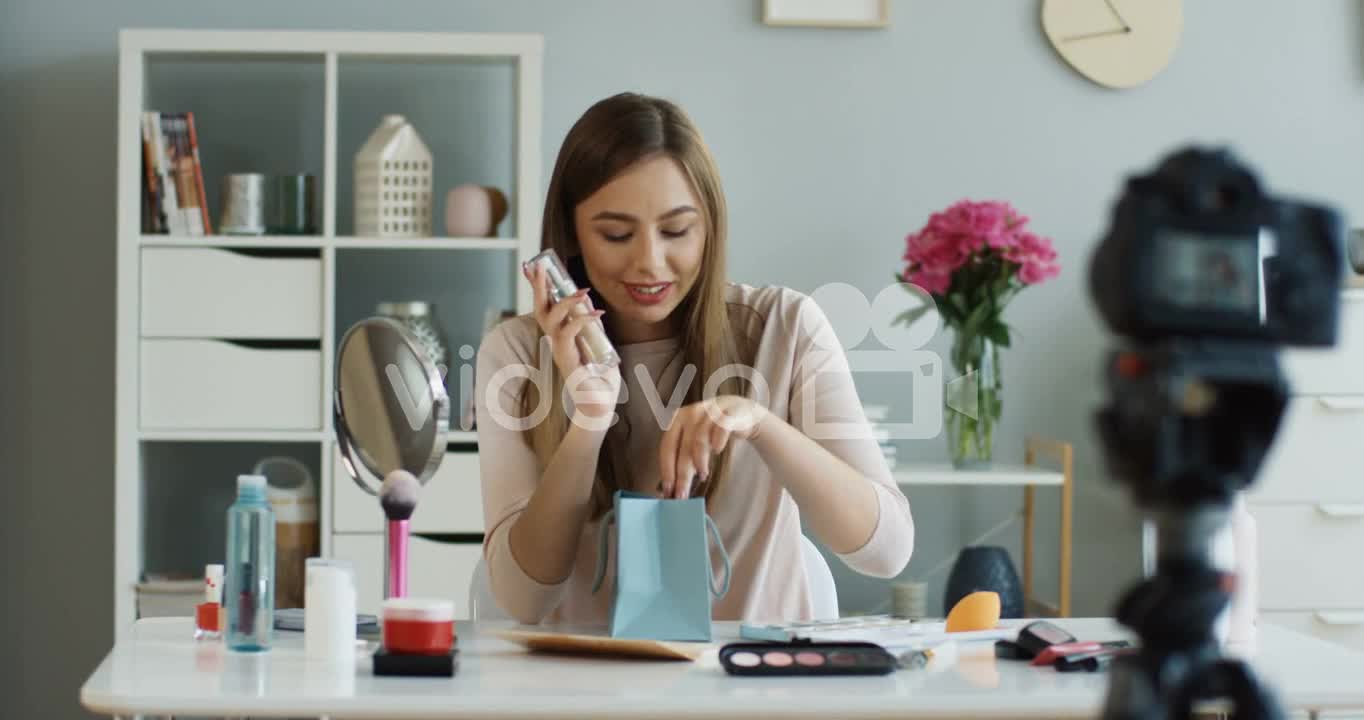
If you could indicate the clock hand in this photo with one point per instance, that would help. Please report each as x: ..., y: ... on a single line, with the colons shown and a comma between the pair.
x: 1090, y: 36
x: 1116, y: 14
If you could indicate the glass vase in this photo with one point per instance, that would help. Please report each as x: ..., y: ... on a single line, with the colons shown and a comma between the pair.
x: 973, y: 402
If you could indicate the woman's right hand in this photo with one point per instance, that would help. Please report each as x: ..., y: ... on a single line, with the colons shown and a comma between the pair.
x: 593, y: 388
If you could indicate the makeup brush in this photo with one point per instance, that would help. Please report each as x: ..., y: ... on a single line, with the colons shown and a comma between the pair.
x: 398, y: 496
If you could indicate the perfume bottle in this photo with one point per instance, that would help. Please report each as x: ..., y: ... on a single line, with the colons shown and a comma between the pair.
x: 208, y: 615
x: 592, y: 341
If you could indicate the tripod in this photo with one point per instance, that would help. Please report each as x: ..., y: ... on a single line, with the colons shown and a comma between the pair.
x: 1188, y: 427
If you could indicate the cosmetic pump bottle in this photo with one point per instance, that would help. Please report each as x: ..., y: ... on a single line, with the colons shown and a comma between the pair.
x: 592, y: 341
x: 249, y: 594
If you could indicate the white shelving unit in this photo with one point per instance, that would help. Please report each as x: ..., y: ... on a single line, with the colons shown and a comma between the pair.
x: 147, y: 364
x: 1057, y: 473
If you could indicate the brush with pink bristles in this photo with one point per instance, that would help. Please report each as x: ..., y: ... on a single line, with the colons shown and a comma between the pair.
x: 398, y: 496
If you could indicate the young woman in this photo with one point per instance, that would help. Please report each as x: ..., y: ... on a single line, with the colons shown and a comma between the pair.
x: 636, y: 210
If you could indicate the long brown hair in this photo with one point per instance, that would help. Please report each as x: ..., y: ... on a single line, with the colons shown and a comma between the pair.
x: 611, y: 136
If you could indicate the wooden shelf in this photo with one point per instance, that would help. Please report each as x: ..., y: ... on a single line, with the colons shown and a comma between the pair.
x: 945, y: 474
x: 341, y: 243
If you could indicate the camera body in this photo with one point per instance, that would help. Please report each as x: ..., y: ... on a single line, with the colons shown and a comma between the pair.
x: 1198, y: 249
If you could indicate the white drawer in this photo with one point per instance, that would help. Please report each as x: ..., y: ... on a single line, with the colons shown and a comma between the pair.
x: 450, y: 502
x: 1339, y: 369
x: 1345, y: 627
x: 1318, y: 454
x: 214, y: 293
x: 212, y: 384
x: 434, y: 569
x: 1309, y: 556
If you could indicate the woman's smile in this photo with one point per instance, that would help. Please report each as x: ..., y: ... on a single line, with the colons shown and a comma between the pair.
x: 651, y: 294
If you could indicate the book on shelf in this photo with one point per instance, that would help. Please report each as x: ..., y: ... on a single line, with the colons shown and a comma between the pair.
x: 152, y: 221
x: 193, y: 135
x: 174, y: 200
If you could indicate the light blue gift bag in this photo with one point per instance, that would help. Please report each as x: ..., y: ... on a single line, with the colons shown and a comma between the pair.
x: 663, y: 574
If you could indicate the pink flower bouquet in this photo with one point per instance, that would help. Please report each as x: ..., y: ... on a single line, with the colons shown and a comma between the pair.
x: 973, y: 258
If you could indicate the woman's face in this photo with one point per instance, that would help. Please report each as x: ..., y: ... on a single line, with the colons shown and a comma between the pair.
x: 642, y: 235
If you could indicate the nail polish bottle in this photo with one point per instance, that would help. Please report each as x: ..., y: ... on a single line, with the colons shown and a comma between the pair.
x: 208, y: 615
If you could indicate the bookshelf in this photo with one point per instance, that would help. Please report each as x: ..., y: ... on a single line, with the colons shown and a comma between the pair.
x: 224, y: 395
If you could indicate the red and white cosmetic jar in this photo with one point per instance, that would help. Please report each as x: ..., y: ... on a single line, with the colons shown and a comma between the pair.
x: 418, y: 626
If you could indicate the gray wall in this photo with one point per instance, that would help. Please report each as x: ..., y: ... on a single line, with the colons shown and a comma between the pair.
x: 833, y: 144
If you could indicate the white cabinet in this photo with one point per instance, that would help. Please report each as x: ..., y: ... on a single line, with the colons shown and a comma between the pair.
x: 1334, y: 370
x: 1308, y: 501
x: 1319, y: 454
x: 1309, y: 555
x: 1343, y: 626
x: 435, y: 569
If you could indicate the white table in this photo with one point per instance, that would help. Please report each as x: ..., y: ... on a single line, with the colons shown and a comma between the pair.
x: 159, y: 670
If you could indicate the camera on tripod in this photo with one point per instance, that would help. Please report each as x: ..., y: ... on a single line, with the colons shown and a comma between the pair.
x: 1206, y: 276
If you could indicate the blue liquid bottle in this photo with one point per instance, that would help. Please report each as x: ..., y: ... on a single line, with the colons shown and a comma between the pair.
x: 249, y: 593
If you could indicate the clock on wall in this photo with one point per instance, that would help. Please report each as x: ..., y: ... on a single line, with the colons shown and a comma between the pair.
x: 1115, y: 43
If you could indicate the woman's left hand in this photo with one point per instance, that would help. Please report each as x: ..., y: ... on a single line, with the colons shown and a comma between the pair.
x: 700, y: 431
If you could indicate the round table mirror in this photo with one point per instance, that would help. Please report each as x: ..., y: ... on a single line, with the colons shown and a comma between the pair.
x: 390, y: 405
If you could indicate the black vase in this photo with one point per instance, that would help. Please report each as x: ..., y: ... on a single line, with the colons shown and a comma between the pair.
x: 985, y: 567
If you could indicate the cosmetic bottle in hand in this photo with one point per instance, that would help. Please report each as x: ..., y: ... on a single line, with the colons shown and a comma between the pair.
x: 592, y: 341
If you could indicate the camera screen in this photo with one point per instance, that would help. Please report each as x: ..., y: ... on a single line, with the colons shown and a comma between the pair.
x: 1219, y: 273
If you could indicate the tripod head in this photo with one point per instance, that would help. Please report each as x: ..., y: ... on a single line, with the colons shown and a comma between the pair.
x: 1205, y: 277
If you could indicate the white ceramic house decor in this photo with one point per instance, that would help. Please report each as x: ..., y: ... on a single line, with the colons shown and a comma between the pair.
x: 393, y: 182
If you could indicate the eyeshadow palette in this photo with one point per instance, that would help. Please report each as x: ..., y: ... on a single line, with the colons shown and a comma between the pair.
x: 803, y: 658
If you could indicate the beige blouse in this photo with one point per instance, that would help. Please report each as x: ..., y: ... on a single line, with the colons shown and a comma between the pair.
x: 797, y: 354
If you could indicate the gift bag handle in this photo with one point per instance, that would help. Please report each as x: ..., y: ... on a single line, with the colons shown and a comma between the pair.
x: 603, y: 536
x: 724, y: 559
x: 603, y: 540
